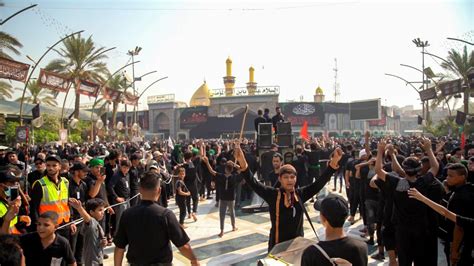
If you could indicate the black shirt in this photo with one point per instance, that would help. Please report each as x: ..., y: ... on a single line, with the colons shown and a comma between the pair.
x: 184, y: 188
x: 147, y: 229
x: 259, y: 120
x: 460, y: 201
x: 350, y: 249
x: 407, y: 211
x: 226, y: 186
x: 291, y: 218
x: 90, y: 181
x: 119, y: 186
x: 191, y: 175
x: 36, y: 255
x: 35, y: 175
x: 79, y: 192
x: 134, y: 175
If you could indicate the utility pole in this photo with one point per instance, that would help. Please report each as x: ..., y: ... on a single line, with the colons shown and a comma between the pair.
x: 336, y: 91
x: 423, y: 44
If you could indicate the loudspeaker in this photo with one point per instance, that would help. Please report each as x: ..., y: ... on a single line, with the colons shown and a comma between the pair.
x: 284, y: 140
x: 460, y: 118
x: 265, y: 129
x: 264, y: 141
x: 264, y: 138
x: 284, y: 128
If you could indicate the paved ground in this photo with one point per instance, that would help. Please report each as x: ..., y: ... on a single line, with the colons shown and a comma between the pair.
x: 244, y: 246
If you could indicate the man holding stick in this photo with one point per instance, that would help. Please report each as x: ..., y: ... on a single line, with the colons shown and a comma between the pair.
x: 286, y: 203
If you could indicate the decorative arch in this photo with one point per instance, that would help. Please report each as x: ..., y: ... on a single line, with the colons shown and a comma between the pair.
x: 162, y: 123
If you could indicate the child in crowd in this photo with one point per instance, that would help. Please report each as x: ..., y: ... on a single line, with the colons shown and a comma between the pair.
x: 94, y: 236
x: 45, y: 247
x: 182, y: 192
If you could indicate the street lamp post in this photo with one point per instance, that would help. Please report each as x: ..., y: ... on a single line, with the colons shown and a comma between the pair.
x: 132, y: 53
x: 423, y: 44
x: 33, y: 69
x: 96, y: 97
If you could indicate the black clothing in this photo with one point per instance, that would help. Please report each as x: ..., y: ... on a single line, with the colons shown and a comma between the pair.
x: 79, y: 192
x: 266, y: 166
x: 273, y: 178
x: 257, y: 121
x: 33, y: 176
x: 90, y: 181
x: 291, y: 218
x: 227, y: 185
x: 416, y: 238
x: 300, y: 162
x: 350, y: 249
x: 119, y: 186
x: 34, y: 253
x: 147, y: 230
x: 277, y: 119
x: 134, y: 176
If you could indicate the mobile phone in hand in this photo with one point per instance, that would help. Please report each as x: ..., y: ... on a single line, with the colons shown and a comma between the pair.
x: 14, y: 193
x: 102, y: 171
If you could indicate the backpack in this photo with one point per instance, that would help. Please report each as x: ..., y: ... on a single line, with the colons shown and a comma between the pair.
x: 333, y: 261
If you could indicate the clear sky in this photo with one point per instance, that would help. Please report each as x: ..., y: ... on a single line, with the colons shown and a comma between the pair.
x: 292, y: 44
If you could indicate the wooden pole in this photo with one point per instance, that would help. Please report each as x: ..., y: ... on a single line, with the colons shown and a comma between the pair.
x: 243, y: 121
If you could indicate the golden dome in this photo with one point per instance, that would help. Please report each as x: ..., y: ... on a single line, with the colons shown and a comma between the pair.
x: 319, y: 91
x: 200, y: 96
x: 228, y: 61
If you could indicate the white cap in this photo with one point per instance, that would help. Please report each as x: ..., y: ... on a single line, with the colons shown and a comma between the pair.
x: 362, y: 153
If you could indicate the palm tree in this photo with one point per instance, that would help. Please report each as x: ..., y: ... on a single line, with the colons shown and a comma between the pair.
x: 459, y: 63
x: 39, y: 95
x: 8, y: 43
x: 6, y: 90
x: 81, y: 59
x: 117, y: 83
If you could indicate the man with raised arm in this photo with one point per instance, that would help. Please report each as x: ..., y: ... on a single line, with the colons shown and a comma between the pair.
x: 285, y: 203
x: 416, y: 241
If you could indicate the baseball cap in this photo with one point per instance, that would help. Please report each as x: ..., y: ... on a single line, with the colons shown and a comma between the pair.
x: 53, y: 157
x: 154, y: 166
x: 334, y: 208
x: 79, y: 166
x: 8, y: 176
x: 362, y: 153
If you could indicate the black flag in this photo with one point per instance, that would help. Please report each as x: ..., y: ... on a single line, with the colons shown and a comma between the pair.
x: 420, y: 120
x: 460, y: 118
x: 36, y: 111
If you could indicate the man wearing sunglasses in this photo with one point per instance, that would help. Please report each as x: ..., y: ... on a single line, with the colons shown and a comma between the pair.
x: 38, y: 173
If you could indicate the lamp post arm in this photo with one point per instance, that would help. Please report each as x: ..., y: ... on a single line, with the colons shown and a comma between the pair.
x: 406, y: 81
x: 150, y: 86
x: 419, y: 70
x: 24, y: 9
x: 33, y: 69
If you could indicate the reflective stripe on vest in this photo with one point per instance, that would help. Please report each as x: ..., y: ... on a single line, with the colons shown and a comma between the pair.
x: 3, y: 212
x: 55, y: 200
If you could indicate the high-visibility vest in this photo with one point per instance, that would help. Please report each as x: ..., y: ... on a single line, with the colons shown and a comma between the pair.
x: 3, y: 211
x: 55, y: 198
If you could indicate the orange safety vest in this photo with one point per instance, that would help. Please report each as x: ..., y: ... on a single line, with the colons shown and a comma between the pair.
x: 12, y: 227
x: 55, y: 198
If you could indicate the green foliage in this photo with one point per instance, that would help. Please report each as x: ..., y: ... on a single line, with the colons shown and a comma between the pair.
x: 442, y: 128
x: 10, y: 131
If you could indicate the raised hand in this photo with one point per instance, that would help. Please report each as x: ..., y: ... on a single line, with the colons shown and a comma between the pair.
x: 381, y: 146
x: 415, y: 194
x: 426, y: 144
x: 75, y: 203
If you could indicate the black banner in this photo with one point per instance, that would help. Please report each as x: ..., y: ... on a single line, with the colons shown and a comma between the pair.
x: 297, y: 113
x: 193, y: 116
x: 365, y: 110
x: 428, y: 94
x: 451, y: 87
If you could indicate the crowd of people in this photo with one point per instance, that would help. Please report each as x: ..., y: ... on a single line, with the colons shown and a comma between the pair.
x: 62, y: 205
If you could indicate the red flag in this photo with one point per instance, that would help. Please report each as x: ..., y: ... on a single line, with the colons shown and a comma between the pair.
x: 463, y: 140
x: 304, y: 131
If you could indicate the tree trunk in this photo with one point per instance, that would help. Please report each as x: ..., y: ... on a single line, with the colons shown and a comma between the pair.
x: 76, y: 105
x: 466, y: 109
x: 114, y: 114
